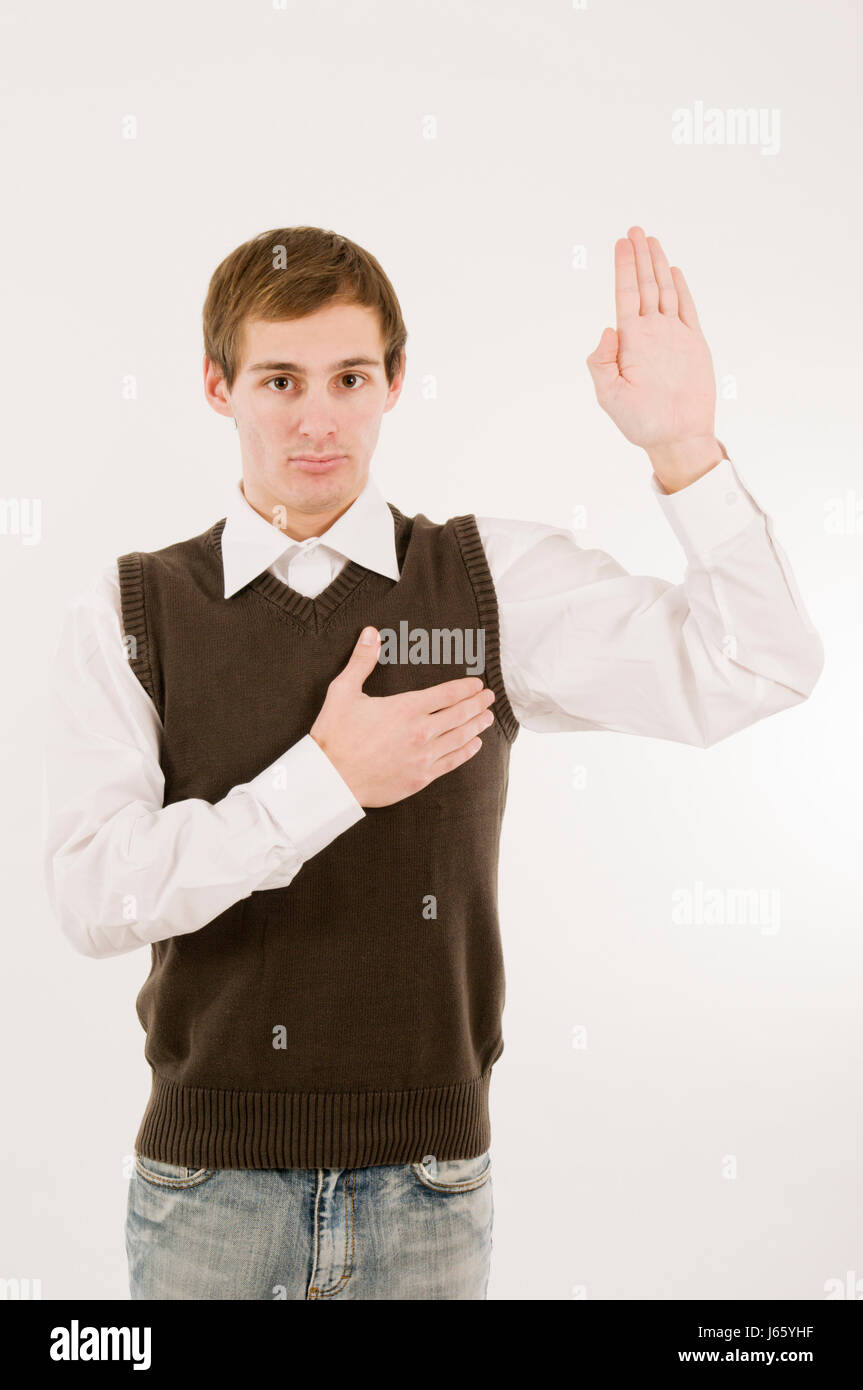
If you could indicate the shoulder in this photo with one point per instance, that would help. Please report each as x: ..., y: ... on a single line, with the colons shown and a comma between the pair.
x: 507, y: 540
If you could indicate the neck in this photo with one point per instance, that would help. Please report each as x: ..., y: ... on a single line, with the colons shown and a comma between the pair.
x: 299, y: 526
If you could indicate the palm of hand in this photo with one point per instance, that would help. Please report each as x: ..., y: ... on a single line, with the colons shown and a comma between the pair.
x: 653, y: 376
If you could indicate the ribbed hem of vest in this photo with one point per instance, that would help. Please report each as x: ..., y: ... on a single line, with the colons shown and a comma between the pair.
x: 199, y: 1128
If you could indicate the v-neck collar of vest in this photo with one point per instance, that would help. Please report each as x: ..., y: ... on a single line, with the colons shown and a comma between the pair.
x: 313, y: 614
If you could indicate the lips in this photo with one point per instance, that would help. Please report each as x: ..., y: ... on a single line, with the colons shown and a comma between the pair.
x: 311, y: 464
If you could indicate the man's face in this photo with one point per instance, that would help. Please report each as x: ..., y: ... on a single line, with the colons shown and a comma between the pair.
x: 307, y: 389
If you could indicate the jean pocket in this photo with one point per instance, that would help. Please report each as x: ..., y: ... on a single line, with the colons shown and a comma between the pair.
x: 454, y: 1174
x: 170, y: 1175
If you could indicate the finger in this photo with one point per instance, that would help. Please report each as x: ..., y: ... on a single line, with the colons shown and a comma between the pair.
x: 453, y: 760
x: 648, y: 289
x: 363, y: 659
x: 451, y: 739
x: 662, y: 271
x: 626, y: 296
x: 435, y: 697
x: 457, y: 716
x: 602, y: 362
x: 606, y: 349
x: 685, y: 302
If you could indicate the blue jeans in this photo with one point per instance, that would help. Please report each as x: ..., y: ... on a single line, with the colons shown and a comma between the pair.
x: 402, y: 1231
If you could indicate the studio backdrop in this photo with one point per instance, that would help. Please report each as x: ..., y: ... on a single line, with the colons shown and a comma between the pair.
x: 673, y: 1112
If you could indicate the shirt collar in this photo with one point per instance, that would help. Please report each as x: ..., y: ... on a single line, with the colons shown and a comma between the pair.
x: 365, y: 533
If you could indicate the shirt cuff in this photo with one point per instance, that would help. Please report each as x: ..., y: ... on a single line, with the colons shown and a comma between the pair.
x: 306, y: 797
x: 709, y: 511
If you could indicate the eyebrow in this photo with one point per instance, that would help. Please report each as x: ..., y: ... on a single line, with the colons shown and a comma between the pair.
x: 301, y: 371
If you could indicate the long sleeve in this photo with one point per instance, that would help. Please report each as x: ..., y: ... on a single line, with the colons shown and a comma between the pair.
x: 121, y: 869
x: 587, y: 646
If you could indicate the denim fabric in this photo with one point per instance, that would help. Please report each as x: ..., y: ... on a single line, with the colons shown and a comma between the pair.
x: 402, y: 1231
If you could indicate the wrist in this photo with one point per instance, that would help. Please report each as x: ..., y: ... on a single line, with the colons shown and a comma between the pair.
x: 681, y: 462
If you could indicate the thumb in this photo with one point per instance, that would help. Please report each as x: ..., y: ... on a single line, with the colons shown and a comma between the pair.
x: 602, y: 362
x: 363, y: 658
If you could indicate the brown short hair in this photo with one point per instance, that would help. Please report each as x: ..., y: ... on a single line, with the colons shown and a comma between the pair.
x: 290, y: 272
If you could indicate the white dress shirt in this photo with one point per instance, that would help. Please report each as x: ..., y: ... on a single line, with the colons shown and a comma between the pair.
x: 583, y: 645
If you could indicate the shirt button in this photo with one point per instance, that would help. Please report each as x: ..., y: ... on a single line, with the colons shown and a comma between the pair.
x: 731, y: 498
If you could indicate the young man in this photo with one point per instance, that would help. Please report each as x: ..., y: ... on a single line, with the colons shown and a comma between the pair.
x: 304, y: 825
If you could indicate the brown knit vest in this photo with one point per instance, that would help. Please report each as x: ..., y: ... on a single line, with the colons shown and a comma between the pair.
x: 336, y: 1022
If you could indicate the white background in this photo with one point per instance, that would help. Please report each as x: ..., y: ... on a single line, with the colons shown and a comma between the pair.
x: 706, y: 1046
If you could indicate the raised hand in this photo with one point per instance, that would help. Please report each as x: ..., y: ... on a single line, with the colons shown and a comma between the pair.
x: 654, y: 375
